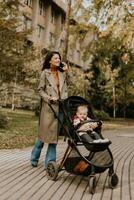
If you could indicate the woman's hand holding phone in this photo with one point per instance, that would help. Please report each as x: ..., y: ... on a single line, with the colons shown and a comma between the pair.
x: 63, y: 67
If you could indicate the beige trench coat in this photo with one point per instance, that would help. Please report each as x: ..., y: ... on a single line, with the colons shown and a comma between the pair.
x: 48, y: 124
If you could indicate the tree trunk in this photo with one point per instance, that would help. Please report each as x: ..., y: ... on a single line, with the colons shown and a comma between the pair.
x: 14, y: 91
x: 114, y: 112
x: 125, y: 96
x: 13, y: 96
x: 6, y: 97
x: 65, y: 51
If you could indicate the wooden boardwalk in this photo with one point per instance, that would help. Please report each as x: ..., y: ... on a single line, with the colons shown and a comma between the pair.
x: 19, y: 181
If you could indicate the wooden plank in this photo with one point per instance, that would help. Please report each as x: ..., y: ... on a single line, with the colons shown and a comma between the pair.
x: 19, y: 181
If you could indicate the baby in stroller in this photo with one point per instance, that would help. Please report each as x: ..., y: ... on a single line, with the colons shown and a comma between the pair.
x: 85, y: 126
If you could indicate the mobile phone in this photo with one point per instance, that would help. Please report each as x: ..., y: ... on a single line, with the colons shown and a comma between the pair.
x: 60, y: 67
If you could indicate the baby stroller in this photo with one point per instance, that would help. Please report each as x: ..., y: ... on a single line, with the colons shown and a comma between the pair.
x: 81, y: 158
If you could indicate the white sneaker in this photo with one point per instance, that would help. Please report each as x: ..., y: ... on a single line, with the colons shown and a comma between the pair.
x: 104, y: 140
x: 97, y: 141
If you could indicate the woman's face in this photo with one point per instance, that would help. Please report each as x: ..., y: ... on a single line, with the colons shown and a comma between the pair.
x: 55, y: 60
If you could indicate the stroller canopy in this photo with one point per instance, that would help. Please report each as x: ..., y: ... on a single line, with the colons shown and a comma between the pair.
x: 71, y: 104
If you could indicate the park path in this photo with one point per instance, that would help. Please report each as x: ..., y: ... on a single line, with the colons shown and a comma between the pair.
x: 19, y: 181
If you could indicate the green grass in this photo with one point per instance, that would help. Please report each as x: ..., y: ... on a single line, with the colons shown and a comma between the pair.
x: 21, y: 130
x: 118, y: 123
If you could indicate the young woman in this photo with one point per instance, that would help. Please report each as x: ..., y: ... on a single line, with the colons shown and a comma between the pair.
x: 52, y: 87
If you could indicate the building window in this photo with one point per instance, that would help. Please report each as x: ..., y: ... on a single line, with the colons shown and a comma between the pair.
x: 62, y: 22
x: 41, y: 8
x: 52, y: 38
x: 28, y: 2
x: 78, y: 54
x: 40, y: 31
x: 27, y: 23
x: 52, y: 16
x: 61, y: 43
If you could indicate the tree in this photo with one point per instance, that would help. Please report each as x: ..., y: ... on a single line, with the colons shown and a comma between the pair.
x: 16, y: 50
x: 114, y: 28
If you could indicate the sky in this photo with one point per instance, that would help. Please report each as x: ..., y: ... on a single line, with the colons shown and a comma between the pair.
x: 87, y: 2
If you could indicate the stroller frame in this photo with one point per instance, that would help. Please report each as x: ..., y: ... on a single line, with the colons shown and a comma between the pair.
x: 74, y: 141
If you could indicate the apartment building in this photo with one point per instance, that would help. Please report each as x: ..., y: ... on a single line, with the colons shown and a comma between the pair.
x: 47, y: 20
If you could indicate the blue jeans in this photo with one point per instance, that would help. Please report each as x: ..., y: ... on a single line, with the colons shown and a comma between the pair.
x: 50, y: 155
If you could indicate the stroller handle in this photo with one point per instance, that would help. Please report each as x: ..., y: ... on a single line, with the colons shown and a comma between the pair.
x: 56, y: 101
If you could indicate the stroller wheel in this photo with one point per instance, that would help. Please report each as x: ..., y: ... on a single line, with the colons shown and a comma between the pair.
x: 113, y: 180
x: 92, y: 184
x: 52, y: 170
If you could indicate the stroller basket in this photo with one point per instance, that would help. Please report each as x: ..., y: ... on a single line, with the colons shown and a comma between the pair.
x: 77, y: 165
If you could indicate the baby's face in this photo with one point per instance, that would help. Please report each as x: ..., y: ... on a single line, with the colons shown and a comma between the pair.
x: 82, y: 115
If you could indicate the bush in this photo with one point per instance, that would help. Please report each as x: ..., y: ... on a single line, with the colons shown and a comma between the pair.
x: 3, y: 121
x: 102, y: 115
x: 130, y: 113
